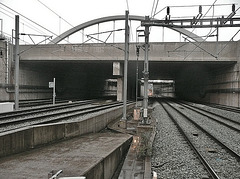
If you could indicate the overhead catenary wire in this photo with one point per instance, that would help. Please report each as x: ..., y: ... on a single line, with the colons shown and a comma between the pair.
x: 55, y: 54
x: 29, y: 19
x: 30, y: 26
x: 228, y: 42
x: 204, y: 39
x: 69, y: 22
x: 209, y: 34
x: 60, y: 17
x: 155, y: 9
x: 40, y: 26
x: 49, y: 31
x: 152, y: 8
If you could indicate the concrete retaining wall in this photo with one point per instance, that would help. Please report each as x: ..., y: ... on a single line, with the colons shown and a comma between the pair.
x: 224, y: 87
x: 30, y: 137
x: 106, y: 168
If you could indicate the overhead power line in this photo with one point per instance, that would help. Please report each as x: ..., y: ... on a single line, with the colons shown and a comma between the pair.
x: 29, y: 19
x: 39, y: 25
x: 29, y: 25
x: 55, y: 13
x: 152, y: 8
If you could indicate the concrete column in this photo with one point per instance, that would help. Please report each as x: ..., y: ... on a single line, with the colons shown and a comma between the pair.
x: 120, y: 89
x: 118, y: 71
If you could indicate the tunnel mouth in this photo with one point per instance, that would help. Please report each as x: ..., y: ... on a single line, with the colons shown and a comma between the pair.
x: 85, y: 80
x: 159, y: 88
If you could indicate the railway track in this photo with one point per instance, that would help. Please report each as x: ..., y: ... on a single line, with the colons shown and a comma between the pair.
x: 226, y: 121
x: 42, y: 109
x: 51, y: 115
x: 40, y: 102
x: 223, y: 107
x: 218, y: 153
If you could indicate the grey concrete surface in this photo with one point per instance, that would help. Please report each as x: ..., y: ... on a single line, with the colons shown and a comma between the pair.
x: 75, y: 157
x: 159, y: 51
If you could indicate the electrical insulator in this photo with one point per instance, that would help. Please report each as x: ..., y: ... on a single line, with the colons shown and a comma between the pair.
x: 200, y: 9
x: 168, y: 10
x: 233, y: 8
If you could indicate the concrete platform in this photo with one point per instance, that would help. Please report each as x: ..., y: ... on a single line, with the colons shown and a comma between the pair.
x: 133, y: 166
x: 76, y: 157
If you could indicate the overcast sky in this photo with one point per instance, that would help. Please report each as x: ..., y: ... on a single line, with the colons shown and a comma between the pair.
x: 76, y: 12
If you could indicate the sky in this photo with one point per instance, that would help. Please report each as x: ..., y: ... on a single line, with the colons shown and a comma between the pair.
x: 60, y: 15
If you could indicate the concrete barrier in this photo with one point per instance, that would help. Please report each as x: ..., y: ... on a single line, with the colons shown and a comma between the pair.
x: 44, y: 134
x: 106, y: 167
x: 30, y: 137
x: 19, y: 141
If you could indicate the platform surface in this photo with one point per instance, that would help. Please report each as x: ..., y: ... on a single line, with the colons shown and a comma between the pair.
x: 73, y: 156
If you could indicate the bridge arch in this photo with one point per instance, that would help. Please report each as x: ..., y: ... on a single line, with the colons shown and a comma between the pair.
x: 116, y: 18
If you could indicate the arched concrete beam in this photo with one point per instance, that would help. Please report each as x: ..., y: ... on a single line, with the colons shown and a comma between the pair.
x: 116, y: 18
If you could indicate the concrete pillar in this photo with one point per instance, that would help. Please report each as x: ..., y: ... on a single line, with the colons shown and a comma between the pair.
x: 120, y: 89
x: 118, y: 71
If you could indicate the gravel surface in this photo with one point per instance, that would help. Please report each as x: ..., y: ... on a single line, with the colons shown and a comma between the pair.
x: 172, y: 156
x: 231, y: 115
x: 233, y: 122
x: 41, y: 120
x: 220, y: 160
x: 48, y: 118
x: 226, y: 135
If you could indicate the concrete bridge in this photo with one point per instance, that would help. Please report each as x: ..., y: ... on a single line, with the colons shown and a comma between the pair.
x: 164, y: 51
x: 202, y: 71
x: 205, y: 71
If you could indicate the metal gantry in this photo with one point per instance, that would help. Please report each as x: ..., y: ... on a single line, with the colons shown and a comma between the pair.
x: 195, y: 22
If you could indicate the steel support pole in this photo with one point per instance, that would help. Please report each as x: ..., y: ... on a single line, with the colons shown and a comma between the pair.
x: 16, y: 62
x: 1, y: 27
x: 138, y: 47
x: 146, y: 74
x: 54, y: 90
x: 126, y: 56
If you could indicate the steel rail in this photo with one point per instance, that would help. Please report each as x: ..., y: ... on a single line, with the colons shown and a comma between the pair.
x: 210, y: 117
x: 219, y: 106
x: 200, y: 157
x: 67, y: 115
x: 221, y: 116
x: 231, y: 151
x: 91, y: 110
x: 231, y: 109
x: 19, y: 113
x: 14, y: 121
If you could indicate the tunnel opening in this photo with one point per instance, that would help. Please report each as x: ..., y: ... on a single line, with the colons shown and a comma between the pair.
x: 77, y: 80
x: 159, y: 88
x: 201, y: 81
